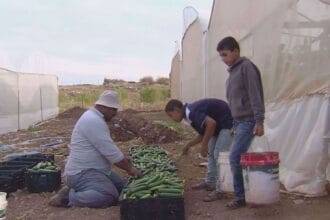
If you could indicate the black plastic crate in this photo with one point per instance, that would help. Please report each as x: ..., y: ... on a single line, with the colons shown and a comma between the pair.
x: 13, y: 171
x: 28, y: 164
x: 152, y: 209
x: 37, y: 182
x: 36, y: 158
x: 13, y: 167
x: 11, y: 180
x: 8, y: 184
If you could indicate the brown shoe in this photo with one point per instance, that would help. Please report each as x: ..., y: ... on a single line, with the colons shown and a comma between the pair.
x: 213, y: 196
x: 203, y: 185
x: 61, y: 199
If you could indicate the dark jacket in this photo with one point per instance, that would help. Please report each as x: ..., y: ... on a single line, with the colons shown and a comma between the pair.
x: 216, y: 109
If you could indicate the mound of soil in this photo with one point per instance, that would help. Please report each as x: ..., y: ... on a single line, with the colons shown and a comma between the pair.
x: 148, y: 131
x: 73, y: 113
x: 127, y: 125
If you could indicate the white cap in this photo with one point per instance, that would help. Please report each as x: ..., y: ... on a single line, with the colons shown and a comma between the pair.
x: 109, y: 99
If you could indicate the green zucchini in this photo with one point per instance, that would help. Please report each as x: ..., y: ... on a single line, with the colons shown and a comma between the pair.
x: 169, y: 195
x: 168, y: 190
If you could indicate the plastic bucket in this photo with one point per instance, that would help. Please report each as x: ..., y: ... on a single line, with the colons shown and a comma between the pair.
x: 225, y: 176
x: 261, y: 177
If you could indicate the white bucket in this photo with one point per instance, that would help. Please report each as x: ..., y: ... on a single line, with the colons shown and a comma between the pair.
x: 225, y: 176
x: 3, y: 205
x: 261, y: 177
x: 261, y: 188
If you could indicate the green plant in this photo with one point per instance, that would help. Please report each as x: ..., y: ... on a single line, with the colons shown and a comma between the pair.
x: 148, y: 95
x: 164, y: 94
x: 122, y: 93
x: 33, y: 128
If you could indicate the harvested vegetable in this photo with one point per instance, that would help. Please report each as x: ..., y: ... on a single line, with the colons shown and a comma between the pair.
x: 44, y: 167
x: 160, y: 178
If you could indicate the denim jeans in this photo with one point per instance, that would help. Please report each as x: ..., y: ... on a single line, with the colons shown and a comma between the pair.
x: 216, y: 145
x: 243, y: 136
x: 94, y: 188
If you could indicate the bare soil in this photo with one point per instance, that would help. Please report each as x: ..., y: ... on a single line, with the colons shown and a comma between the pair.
x: 23, y: 205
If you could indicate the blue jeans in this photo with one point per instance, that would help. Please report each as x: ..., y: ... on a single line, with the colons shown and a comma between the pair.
x: 94, y: 188
x: 243, y: 136
x: 217, y: 144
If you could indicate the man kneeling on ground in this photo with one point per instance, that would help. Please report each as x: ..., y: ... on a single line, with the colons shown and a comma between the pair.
x: 212, y: 119
x: 90, y: 182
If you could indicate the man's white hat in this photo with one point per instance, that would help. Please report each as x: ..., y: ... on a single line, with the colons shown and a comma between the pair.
x: 109, y: 99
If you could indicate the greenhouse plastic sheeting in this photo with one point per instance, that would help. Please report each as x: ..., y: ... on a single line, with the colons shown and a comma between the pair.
x: 26, y: 99
x: 29, y: 100
x: 8, y: 101
x: 193, y: 67
x: 175, y: 76
x: 49, y: 96
x: 289, y: 41
x: 298, y: 131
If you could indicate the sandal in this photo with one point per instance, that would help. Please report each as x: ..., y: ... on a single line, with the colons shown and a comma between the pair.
x: 213, y: 196
x: 236, y: 204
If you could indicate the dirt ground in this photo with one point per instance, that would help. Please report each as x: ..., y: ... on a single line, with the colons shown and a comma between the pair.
x: 56, y: 133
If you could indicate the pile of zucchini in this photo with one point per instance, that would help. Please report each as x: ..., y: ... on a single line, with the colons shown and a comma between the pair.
x: 44, y: 167
x: 151, y: 159
x: 160, y: 178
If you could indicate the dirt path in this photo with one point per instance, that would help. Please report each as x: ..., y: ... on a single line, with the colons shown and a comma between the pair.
x: 23, y: 205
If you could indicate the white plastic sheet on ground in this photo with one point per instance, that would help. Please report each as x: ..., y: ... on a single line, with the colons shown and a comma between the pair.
x: 26, y: 99
x: 297, y: 130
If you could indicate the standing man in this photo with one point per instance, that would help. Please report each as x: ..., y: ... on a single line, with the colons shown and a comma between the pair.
x: 246, y: 102
x: 212, y: 120
x: 89, y: 178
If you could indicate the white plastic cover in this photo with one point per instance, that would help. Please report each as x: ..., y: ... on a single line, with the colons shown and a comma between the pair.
x: 26, y: 99
x: 175, y: 76
x: 297, y: 130
x: 49, y: 96
x: 193, y: 67
x: 29, y: 100
x: 289, y: 40
x: 8, y: 101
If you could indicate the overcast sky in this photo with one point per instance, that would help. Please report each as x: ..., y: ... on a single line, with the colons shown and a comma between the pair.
x: 82, y: 41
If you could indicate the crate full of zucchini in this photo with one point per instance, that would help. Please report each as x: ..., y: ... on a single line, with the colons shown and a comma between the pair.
x: 43, y: 177
x: 156, y: 195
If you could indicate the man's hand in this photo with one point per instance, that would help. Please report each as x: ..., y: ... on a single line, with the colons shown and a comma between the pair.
x: 134, y: 172
x: 204, y: 150
x: 259, y: 130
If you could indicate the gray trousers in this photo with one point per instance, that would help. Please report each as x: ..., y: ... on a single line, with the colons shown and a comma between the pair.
x: 94, y: 188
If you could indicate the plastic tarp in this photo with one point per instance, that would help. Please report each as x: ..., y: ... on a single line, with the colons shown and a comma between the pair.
x: 49, y: 96
x: 193, y: 67
x: 29, y: 100
x: 26, y: 99
x: 8, y: 101
x: 298, y: 130
x: 289, y: 41
x: 175, y: 76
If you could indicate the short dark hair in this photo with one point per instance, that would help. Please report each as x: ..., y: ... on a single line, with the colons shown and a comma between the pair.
x: 228, y: 43
x: 172, y: 104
